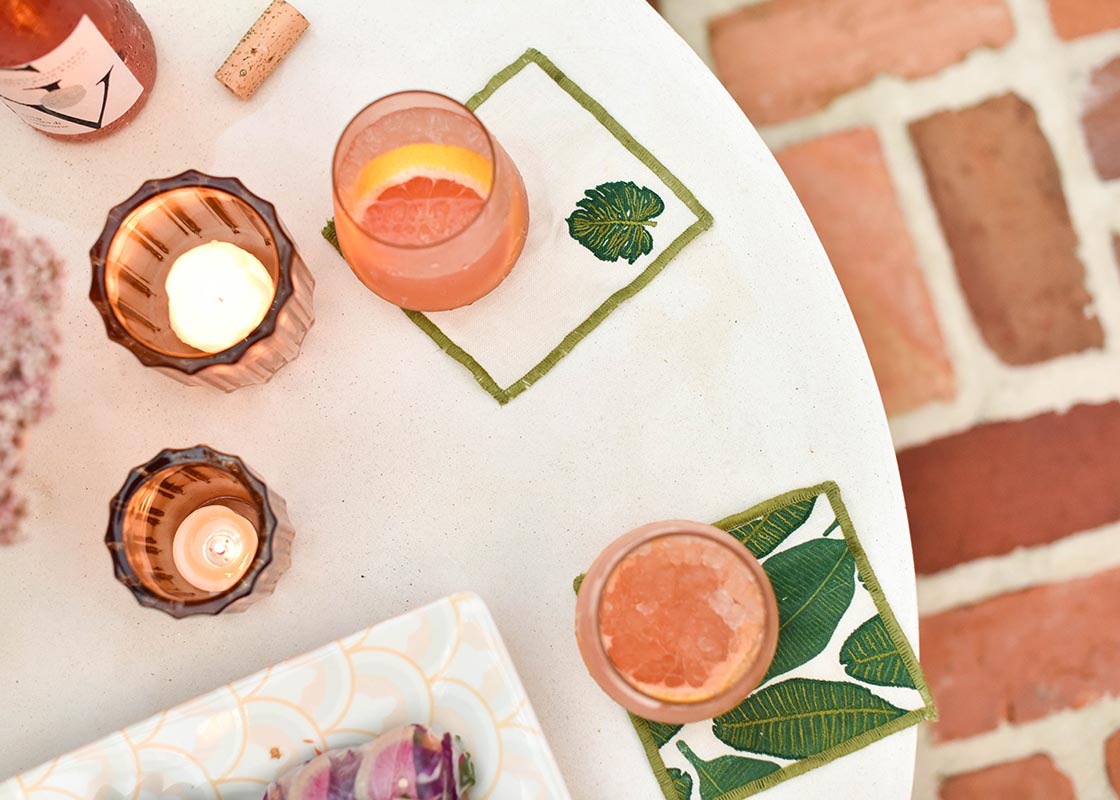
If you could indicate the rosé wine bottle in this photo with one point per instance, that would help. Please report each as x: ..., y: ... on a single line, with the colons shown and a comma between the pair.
x: 76, y: 70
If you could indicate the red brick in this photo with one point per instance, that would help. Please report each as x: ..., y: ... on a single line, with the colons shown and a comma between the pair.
x: 996, y: 487
x: 997, y: 190
x: 1024, y: 655
x: 1074, y: 18
x: 1034, y: 778
x: 1101, y: 119
x: 785, y: 58
x: 1112, y: 761
x: 844, y: 184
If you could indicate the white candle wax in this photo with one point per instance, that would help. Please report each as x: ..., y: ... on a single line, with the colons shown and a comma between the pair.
x: 217, y: 293
x: 213, y: 547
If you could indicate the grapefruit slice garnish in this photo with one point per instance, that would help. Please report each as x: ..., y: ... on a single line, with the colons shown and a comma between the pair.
x: 422, y: 193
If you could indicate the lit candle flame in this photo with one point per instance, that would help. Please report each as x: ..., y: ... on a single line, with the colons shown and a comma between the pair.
x: 217, y: 294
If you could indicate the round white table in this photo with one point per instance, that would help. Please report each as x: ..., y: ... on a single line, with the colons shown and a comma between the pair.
x: 737, y: 374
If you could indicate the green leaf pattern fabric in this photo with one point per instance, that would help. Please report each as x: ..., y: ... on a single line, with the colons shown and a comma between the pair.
x: 843, y: 674
x: 802, y: 717
x: 763, y: 534
x: 663, y: 733
x: 723, y: 774
x: 870, y: 655
x: 682, y: 783
x: 814, y: 583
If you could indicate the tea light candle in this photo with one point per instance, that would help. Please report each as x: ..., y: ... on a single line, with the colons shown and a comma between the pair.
x: 217, y: 294
x: 213, y: 547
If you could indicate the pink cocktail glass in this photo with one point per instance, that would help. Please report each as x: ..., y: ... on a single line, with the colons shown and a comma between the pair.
x: 426, y: 243
x: 677, y: 621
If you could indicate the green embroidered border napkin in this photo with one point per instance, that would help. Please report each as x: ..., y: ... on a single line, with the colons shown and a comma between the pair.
x: 606, y: 217
x: 843, y: 676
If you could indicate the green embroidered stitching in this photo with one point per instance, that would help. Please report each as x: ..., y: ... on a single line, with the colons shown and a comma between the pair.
x: 928, y: 712
x: 703, y: 223
x: 653, y: 754
x: 612, y: 220
x: 331, y: 235
x: 869, y: 654
x: 682, y: 783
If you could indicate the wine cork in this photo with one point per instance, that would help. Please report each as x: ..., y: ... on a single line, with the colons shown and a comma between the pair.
x: 261, y: 50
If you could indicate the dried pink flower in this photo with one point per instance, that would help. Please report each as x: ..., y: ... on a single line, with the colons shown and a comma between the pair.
x: 30, y: 297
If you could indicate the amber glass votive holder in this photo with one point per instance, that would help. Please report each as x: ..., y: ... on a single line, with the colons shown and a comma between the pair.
x: 152, y: 509
x: 141, y: 242
x: 689, y: 584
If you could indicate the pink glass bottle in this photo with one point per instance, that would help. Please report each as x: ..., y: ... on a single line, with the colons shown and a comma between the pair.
x: 76, y: 70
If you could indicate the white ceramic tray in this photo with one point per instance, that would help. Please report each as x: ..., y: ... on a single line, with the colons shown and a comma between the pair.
x: 443, y: 665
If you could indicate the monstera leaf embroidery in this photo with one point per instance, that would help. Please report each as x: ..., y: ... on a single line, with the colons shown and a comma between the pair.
x: 613, y: 220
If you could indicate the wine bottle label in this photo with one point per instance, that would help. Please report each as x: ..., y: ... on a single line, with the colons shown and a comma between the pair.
x: 80, y: 86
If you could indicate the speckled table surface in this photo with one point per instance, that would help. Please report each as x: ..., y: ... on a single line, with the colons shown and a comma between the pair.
x: 737, y: 374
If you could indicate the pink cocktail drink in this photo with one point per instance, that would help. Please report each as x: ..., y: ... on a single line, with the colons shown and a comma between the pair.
x: 677, y: 621
x: 430, y: 212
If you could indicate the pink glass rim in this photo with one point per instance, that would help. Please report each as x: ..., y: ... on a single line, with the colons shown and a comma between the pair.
x: 338, y: 154
x: 614, y: 684
x: 99, y: 252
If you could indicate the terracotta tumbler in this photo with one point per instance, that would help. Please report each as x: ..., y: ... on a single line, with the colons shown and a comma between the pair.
x: 659, y: 563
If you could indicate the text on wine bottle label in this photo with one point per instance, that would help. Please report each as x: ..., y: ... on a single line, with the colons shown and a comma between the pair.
x: 80, y: 86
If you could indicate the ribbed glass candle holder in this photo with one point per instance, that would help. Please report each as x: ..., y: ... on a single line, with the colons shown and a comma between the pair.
x: 144, y: 239
x: 195, y: 531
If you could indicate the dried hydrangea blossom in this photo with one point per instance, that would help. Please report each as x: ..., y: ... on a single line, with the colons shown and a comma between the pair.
x: 30, y: 296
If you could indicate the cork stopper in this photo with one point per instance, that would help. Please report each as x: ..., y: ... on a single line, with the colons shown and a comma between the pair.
x: 261, y: 50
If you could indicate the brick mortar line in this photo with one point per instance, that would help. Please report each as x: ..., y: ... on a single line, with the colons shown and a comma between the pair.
x: 1060, y: 102
x: 1086, y: 54
x: 1092, y: 205
x: 1074, y: 738
x: 982, y: 73
x: 1069, y: 558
